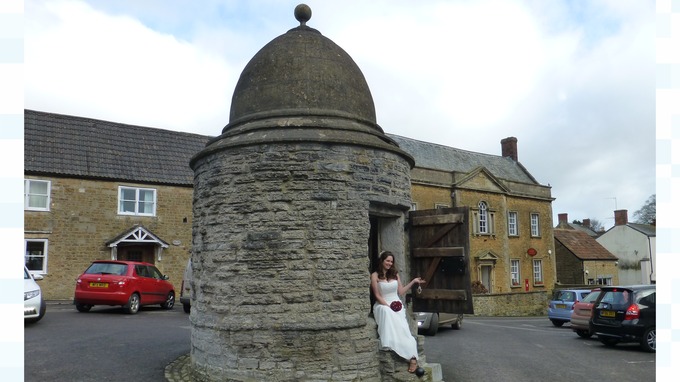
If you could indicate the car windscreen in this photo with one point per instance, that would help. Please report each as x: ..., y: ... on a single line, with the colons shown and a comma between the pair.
x: 591, y: 297
x: 614, y: 299
x: 107, y: 269
x: 565, y: 295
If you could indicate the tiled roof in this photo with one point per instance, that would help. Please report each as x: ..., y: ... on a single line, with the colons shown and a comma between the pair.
x: 582, y: 245
x: 82, y: 147
x: 580, y: 227
x: 439, y: 157
x: 646, y: 229
x: 66, y: 145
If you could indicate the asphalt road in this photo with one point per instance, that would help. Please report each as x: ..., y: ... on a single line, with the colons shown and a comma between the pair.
x: 532, y: 349
x: 108, y: 345
x: 105, y: 344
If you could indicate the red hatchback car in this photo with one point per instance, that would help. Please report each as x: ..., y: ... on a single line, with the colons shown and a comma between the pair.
x: 582, y: 312
x: 129, y: 284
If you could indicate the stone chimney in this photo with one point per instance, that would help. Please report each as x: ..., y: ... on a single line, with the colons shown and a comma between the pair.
x: 562, y: 218
x: 586, y: 223
x: 620, y: 217
x: 509, y: 148
x: 563, y: 221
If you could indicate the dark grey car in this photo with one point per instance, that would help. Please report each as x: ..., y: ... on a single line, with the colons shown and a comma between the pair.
x: 626, y: 314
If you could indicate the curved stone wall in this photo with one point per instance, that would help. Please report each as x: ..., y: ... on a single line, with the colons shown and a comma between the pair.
x: 280, y: 260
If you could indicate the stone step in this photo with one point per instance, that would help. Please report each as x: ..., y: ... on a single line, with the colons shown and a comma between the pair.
x: 395, y: 369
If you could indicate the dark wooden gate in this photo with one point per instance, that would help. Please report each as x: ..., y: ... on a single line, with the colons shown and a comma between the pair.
x: 440, y: 254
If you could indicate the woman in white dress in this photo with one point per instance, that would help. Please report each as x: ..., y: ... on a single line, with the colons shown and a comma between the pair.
x: 390, y: 315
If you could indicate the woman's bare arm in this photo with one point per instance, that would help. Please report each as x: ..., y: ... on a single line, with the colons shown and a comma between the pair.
x: 404, y: 288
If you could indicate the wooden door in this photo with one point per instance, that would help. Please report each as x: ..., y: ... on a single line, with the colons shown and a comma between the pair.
x: 440, y: 254
x: 144, y: 252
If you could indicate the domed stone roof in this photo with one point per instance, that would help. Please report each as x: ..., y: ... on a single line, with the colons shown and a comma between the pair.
x: 302, y: 87
x: 302, y: 72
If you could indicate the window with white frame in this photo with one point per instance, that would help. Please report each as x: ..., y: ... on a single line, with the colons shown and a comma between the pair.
x: 512, y: 224
x: 514, y: 273
x: 37, y: 195
x: 440, y: 205
x: 600, y: 280
x: 136, y: 201
x: 414, y: 206
x: 538, y: 272
x: 534, y: 225
x: 483, y: 219
x: 36, y: 255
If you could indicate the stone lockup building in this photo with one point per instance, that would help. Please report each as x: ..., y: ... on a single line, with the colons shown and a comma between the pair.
x: 285, y: 201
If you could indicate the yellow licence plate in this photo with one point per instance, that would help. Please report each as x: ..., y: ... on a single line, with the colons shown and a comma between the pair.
x: 99, y: 285
x: 560, y: 306
x: 607, y: 313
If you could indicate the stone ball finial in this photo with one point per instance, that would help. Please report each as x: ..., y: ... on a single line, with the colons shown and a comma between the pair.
x: 303, y: 13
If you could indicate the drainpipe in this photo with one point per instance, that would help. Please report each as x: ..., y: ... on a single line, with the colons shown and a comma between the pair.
x: 651, y: 262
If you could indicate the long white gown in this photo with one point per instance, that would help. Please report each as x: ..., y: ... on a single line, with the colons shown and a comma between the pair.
x: 393, y: 328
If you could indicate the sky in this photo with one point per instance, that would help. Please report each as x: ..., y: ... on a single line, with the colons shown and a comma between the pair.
x: 573, y: 81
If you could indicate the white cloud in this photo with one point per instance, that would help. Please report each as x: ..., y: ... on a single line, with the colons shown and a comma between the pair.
x: 573, y: 81
x: 85, y: 62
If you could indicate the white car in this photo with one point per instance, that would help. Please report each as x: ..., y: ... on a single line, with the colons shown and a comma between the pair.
x: 429, y: 323
x: 34, y: 304
x: 185, y: 293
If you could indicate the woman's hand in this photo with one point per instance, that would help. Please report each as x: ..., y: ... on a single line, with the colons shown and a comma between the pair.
x: 418, y: 280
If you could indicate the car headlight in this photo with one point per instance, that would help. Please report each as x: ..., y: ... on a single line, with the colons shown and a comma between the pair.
x: 30, y: 294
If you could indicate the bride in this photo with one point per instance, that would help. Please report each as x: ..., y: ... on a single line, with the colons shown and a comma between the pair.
x: 389, y: 313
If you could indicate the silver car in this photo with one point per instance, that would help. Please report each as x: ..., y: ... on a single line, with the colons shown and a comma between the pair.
x: 34, y: 304
x: 185, y: 293
x: 429, y: 323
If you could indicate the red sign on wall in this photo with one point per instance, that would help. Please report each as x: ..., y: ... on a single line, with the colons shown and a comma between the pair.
x: 531, y: 252
x: 526, y: 285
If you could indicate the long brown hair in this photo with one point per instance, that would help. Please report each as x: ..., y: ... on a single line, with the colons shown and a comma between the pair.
x: 391, y: 273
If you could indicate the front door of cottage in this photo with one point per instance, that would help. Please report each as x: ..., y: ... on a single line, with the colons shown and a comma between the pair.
x: 440, y: 253
x: 137, y: 252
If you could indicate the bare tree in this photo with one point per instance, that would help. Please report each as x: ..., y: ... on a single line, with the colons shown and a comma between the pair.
x: 646, y: 214
x: 595, y: 224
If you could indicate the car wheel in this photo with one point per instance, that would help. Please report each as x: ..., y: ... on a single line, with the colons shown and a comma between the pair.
x: 434, y: 325
x: 187, y: 308
x: 169, y: 302
x: 458, y: 324
x: 608, y: 341
x: 132, y: 306
x: 557, y: 323
x: 584, y: 333
x: 648, y: 341
x: 83, y: 308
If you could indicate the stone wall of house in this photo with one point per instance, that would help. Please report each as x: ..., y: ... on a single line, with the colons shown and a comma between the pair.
x: 512, y: 247
x: 280, y: 260
x: 511, y: 304
x: 430, y: 187
x: 605, y: 269
x: 569, y: 267
x: 428, y: 197
x: 83, y: 216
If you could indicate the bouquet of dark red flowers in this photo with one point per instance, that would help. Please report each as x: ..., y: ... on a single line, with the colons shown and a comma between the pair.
x: 396, y: 306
